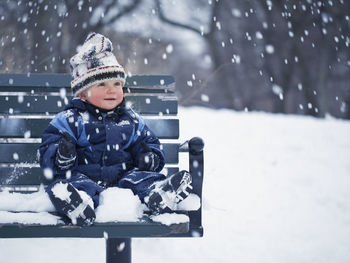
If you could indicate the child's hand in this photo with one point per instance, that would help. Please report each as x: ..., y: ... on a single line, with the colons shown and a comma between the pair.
x: 66, y: 152
x: 148, y: 161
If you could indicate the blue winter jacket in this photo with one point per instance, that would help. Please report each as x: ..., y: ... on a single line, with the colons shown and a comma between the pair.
x: 108, y: 144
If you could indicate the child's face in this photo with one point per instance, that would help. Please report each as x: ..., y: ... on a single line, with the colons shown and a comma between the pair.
x: 105, y: 95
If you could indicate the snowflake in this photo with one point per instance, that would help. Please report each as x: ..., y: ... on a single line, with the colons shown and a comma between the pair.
x: 85, y: 116
x: 68, y: 113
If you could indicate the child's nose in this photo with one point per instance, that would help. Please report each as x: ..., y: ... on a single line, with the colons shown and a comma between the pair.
x: 111, y: 89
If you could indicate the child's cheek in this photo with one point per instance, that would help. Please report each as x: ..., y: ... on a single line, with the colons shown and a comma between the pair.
x: 120, y: 96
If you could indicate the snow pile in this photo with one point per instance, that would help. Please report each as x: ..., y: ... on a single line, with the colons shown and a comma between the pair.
x: 60, y: 191
x: 41, y: 218
x: 34, y: 202
x: 191, y: 203
x: 34, y: 208
x: 118, y: 204
x: 170, y: 218
x: 121, y: 205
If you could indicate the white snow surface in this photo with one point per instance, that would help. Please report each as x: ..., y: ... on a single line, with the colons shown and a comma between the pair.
x: 17, y: 202
x: 114, y: 207
x: 170, y: 218
x: 60, y: 191
x: 276, y: 189
x: 192, y: 202
x: 41, y: 218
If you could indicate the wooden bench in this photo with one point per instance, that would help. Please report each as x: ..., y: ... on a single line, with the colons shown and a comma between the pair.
x: 27, y: 104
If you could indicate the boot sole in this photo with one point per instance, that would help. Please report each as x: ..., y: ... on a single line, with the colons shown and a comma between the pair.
x: 68, y: 199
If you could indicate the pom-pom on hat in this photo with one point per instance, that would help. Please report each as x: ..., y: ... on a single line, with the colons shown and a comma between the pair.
x: 94, y: 63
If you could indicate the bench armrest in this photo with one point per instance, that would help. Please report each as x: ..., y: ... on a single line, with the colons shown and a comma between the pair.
x: 195, y: 148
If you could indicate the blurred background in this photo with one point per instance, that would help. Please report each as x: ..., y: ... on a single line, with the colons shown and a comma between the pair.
x: 281, y: 56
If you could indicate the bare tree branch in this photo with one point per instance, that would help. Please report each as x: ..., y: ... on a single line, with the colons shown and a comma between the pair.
x: 124, y: 11
x: 214, y: 16
x: 174, y: 23
x: 70, y: 4
x: 202, y: 87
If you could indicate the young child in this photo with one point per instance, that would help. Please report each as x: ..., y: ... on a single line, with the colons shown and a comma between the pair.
x: 98, y: 142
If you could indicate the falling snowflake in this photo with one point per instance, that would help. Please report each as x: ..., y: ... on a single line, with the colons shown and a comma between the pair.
x: 277, y: 89
x: 169, y: 49
x: 20, y: 98
x: 15, y: 156
x: 48, y: 173
x: 258, y: 35
x: 27, y: 134
x: 270, y: 49
x: 205, y: 98
x: 236, y: 12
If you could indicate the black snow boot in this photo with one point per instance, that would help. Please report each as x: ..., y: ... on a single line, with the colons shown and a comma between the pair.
x: 68, y: 201
x: 168, y: 193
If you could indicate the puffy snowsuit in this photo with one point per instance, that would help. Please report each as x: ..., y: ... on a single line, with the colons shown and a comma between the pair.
x: 108, y: 146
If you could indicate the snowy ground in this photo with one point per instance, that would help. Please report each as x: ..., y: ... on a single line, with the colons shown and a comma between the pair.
x: 276, y: 190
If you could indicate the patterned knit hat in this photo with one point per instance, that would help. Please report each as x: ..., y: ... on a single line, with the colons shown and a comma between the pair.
x: 94, y: 63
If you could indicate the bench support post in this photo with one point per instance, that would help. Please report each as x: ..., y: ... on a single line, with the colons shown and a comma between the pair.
x: 196, y: 161
x: 118, y: 250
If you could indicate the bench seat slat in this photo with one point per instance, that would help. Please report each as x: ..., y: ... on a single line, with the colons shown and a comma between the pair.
x: 44, y: 90
x: 145, y: 228
x: 146, y: 104
x: 33, y: 176
x: 40, y: 80
x: 27, y: 152
x: 19, y: 128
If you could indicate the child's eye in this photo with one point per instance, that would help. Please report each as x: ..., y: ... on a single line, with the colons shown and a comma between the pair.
x: 118, y: 84
x: 102, y: 84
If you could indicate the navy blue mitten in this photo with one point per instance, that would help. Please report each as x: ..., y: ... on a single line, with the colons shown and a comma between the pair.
x: 148, y: 160
x: 66, y: 153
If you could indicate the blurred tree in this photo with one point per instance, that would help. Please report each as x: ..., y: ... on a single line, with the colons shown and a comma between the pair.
x: 212, y: 40
x: 304, y: 50
x: 286, y: 56
x: 272, y: 55
x: 53, y: 27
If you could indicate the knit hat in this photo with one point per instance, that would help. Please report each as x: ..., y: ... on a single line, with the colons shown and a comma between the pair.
x: 94, y: 63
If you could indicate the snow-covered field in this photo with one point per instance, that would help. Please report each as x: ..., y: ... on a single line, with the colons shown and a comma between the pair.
x: 276, y: 189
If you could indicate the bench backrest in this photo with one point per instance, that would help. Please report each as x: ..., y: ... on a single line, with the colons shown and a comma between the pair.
x: 29, y: 101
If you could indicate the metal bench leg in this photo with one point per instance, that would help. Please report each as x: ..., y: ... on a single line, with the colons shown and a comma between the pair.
x: 196, y: 166
x: 118, y: 250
